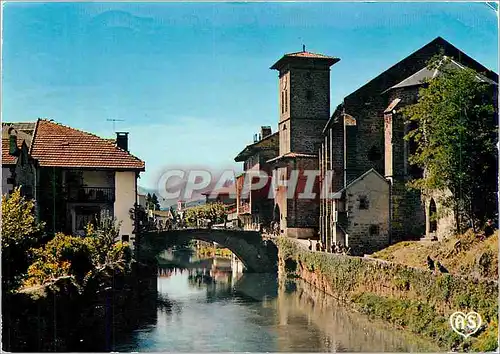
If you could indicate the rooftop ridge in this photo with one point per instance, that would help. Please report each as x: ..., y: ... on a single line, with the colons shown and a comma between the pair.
x: 106, y: 140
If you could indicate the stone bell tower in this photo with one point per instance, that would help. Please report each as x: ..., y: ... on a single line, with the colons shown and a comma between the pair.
x: 304, y: 109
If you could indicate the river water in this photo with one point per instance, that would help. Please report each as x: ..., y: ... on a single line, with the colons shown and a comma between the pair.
x: 209, y: 306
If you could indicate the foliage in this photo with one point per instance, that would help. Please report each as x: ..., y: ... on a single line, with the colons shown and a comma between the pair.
x: 464, y: 254
x: 215, y: 212
x: 79, y: 257
x: 455, y: 129
x: 20, y: 232
x: 152, y: 202
x: 63, y: 255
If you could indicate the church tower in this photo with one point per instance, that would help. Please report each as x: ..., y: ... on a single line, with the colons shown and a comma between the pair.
x: 304, y: 109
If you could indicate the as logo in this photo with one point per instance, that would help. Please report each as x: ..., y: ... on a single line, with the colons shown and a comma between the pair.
x: 465, y: 324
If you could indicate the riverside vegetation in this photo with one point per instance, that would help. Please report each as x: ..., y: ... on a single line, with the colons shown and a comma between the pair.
x: 52, y: 283
x: 413, y: 299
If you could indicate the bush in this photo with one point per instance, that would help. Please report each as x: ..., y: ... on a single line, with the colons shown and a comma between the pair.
x: 62, y: 256
x: 20, y: 232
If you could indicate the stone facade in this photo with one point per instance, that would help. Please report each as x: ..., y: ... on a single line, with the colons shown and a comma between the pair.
x: 304, y: 97
x: 367, y: 132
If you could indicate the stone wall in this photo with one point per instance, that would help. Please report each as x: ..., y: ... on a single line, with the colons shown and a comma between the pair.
x: 310, y: 93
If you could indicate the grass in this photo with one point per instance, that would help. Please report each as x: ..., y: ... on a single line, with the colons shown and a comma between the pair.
x: 472, y: 258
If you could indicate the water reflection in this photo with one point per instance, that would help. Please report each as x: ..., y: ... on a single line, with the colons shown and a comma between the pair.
x: 212, y: 308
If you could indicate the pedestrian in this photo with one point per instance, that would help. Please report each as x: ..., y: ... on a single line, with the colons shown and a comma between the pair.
x: 332, y: 247
x: 310, y: 244
x: 318, y: 246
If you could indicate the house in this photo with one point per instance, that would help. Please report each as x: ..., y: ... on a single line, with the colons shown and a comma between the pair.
x: 361, y: 214
x: 366, y: 132
x: 78, y: 177
x: 254, y: 205
x: 16, y: 141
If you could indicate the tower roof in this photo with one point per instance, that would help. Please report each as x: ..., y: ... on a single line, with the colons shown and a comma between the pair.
x: 293, y: 57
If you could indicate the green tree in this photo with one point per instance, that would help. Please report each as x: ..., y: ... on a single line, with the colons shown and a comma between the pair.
x: 456, y: 136
x: 20, y: 232
x: 215, y: 212
x: 152, y: 202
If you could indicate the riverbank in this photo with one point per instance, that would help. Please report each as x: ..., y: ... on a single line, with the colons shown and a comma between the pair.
x: 412, y: 299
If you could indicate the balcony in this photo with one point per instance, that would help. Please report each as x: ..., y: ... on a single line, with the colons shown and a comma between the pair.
x: 90, y: 194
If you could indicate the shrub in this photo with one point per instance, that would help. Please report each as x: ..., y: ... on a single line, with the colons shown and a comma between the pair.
x: 20, y: 232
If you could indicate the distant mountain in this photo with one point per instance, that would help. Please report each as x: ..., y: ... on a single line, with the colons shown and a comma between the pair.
x: 167, y: 203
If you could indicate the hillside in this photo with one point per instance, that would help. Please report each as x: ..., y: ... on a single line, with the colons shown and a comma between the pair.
x: 462, y: 254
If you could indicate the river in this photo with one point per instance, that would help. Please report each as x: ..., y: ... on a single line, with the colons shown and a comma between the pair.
x: 208, y: 306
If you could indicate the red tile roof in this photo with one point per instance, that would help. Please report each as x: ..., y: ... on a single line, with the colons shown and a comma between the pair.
x: 292, y: 155
x: 61, y: 146
x: 307, y: 55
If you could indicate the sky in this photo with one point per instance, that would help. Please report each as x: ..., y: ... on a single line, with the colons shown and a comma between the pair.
x: 191, y: 82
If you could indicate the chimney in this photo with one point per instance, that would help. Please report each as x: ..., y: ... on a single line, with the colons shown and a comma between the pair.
x: 13, y: 145
x: 13, y: 149
x: 122, y: 140
x: 265, y: 131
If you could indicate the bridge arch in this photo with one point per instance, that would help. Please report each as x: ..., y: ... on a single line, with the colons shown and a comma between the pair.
x: 258, y: 255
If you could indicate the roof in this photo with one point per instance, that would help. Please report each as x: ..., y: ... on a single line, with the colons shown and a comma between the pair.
x: 292, y: 155
x: 392, y: 105
x: 417, y: 61
x: 356, y: 180
x: 163, y: 213
x: 426, y: 74
x: 304, y: 55
x: 251, y: 149
x: 23, y: 132
x: 57, y: 145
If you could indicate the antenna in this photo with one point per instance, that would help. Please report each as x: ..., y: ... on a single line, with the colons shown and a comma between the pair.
x: 114, y: 121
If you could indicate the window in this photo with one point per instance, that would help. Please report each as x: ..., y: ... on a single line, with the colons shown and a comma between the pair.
x: 374, y: 154
x: 284, y: 126
x: 286, y: 100
x: 374, y: 230
x: 309, y: 95
x: 363, y: 202
x: 282, y: 102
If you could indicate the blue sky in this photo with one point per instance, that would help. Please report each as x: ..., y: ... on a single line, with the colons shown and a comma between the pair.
x: 191, y: 80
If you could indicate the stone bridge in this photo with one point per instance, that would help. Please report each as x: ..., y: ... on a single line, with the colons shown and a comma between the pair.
x: 258, y: 255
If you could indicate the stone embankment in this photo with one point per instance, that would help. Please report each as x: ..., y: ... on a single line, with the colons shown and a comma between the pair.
x: 412, y: 299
